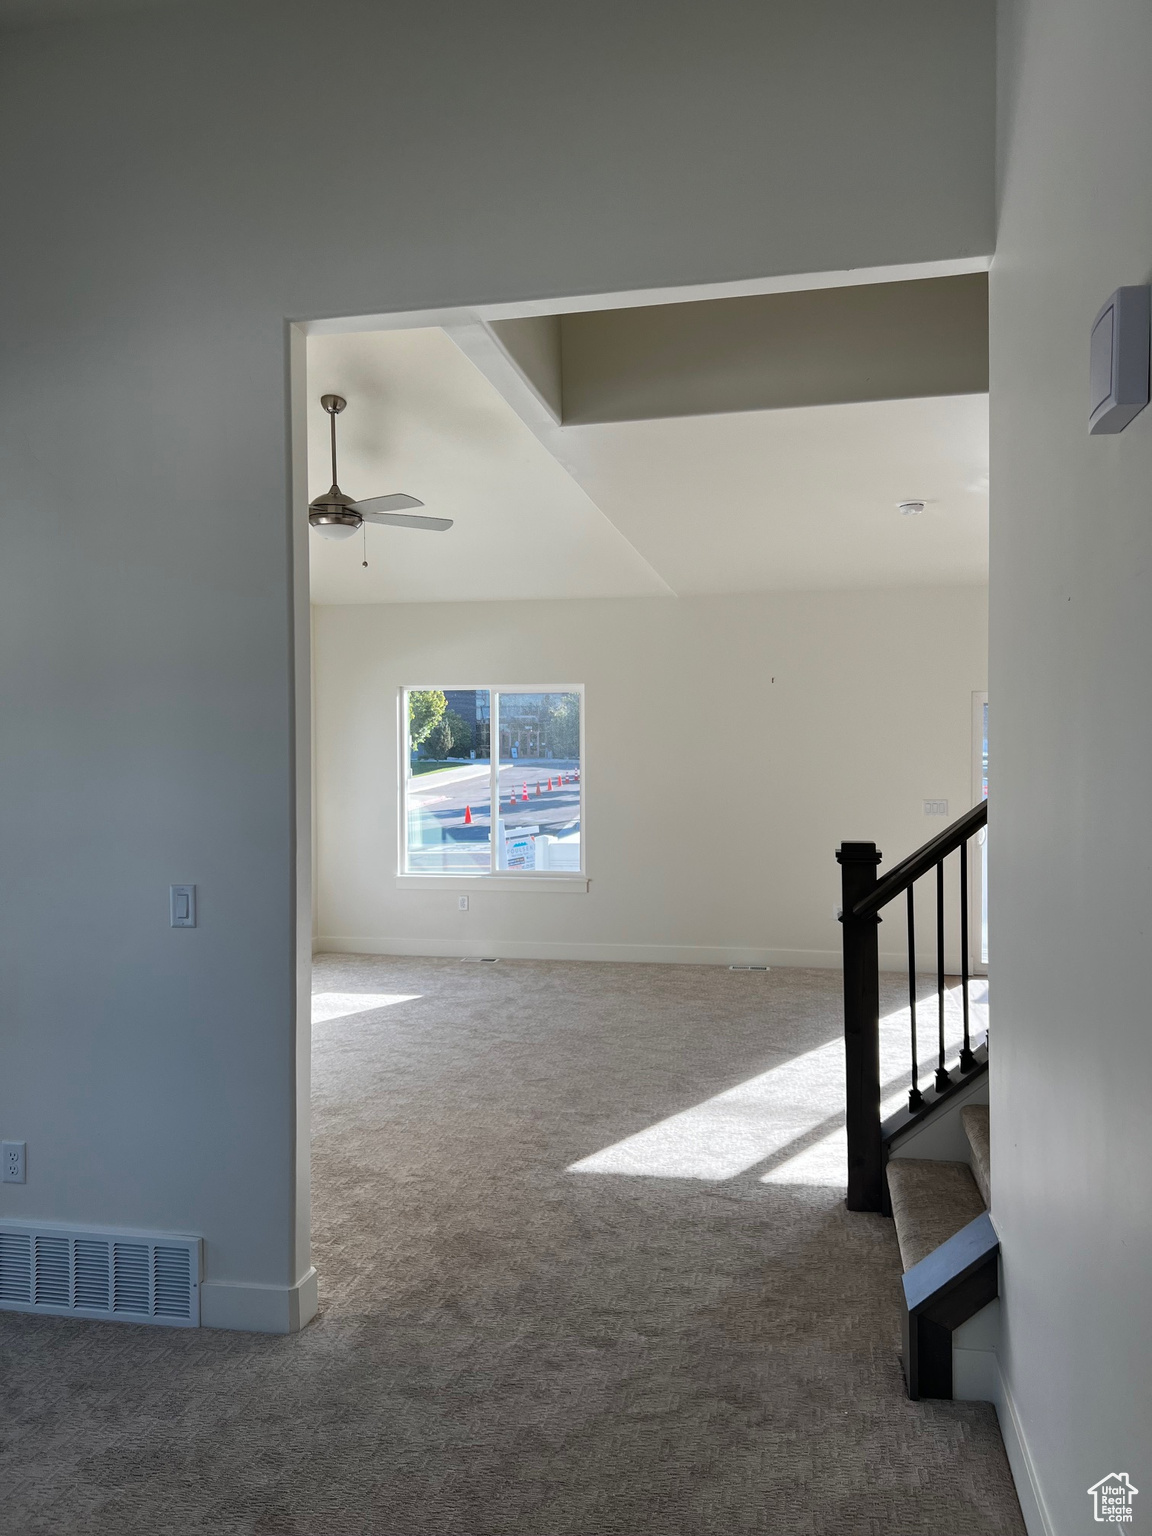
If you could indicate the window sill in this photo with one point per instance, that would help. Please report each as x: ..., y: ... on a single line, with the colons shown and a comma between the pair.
x: 558, y: 884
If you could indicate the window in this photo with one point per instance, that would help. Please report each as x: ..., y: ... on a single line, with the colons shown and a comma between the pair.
x: 467, y: 750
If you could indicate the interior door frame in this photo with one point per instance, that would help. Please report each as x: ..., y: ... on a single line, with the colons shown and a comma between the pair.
x: 977, y: 965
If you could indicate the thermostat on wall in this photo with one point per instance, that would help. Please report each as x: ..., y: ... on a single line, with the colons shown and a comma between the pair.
x: 1118, y: 366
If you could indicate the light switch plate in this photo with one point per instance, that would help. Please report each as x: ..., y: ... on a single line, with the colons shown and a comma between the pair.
x: 182, y: 906
x: 1118, y: 362
x: 935, y: 807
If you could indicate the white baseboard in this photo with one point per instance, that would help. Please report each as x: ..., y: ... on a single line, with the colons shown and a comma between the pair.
x: 518, y: 949
x: 977, y: 1377
x: 639, y: 954
x: 1032, y: 1506
x: 259, y: 1308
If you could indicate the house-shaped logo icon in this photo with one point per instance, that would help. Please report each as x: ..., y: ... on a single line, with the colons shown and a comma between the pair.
x: 1112, y: 1499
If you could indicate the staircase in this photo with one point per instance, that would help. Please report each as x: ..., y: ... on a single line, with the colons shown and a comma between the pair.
x: 927, y: 1166
x: 950, y: 1253
x: 932, y: 1199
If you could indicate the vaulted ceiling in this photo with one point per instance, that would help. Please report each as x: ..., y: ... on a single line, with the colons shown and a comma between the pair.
x: 723, y: 446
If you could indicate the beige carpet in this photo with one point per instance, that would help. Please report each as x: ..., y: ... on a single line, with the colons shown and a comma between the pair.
x: 686, y: 1334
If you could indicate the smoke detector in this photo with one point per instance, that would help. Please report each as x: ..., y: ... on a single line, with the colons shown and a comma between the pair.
x: 911, y: 508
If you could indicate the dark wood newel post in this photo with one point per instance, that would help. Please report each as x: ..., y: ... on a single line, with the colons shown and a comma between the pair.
x: 858, y: 863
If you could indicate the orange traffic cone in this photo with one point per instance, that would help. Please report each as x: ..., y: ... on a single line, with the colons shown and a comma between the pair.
x: 537, y: 786
x: 525, y: 794
x: 467, y: 815
x: 549, y: 786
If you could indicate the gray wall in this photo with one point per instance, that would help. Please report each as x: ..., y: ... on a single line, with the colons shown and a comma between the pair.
x: 174, y: 184
x: 1071, y: 753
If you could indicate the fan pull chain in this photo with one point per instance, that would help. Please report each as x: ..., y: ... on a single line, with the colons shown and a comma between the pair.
x: 364, y: 531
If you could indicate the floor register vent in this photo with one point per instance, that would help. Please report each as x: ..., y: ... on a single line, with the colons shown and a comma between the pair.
x: 131, y: 1277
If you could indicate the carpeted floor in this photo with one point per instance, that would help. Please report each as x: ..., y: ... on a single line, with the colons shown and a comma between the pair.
x: 585, y: 1271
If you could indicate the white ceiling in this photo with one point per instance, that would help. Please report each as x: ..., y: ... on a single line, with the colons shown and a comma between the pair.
x: 749, y: 501
x: 798, y: 498
x: 421, y: 418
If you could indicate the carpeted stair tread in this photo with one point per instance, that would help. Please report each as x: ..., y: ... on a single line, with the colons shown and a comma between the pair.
x: 931, y: 1201
x: 974, y: 1119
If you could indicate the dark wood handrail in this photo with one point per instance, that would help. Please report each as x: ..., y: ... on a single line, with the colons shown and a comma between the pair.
x: 862, y: 897
x: 901, y: 875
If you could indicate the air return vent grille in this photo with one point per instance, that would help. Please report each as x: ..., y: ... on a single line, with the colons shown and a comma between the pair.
x: 15, y: 1267
x: 53, y: 1286
x: 136, y: 1277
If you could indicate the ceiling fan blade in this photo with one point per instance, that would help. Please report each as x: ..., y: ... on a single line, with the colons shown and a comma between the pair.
x: 397, y: 503
x: 404, y: 520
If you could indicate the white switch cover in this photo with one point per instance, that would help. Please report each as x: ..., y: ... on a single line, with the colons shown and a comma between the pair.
x: 182, y: 906
x: 935, y: 807
x: 462, y: 903
x: 13, y: 1153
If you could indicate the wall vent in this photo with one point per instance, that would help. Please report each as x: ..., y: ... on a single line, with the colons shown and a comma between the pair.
x: 135, y: 1277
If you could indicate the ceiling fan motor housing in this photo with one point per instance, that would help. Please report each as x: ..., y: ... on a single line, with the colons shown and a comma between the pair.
x: 333, y: 515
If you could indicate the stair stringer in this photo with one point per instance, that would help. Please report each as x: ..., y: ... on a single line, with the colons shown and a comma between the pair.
x: 940, y: 1136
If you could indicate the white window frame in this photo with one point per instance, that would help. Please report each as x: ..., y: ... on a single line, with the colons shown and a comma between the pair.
x: 566, y: 882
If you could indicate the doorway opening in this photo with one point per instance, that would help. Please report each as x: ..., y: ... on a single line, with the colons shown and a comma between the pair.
x: 978, y: 920
x: 604, y: 461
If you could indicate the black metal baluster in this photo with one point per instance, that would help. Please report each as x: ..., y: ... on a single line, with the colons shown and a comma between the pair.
x: 915, y: 1097
x: 967, y: 1060
x: 943, y: 1080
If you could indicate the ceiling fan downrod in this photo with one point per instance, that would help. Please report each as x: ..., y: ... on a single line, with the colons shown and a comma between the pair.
x: 333, y: 404
x: 337, y: 516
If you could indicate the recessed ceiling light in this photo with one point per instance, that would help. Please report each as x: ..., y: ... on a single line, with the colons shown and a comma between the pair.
x: 911, y: 508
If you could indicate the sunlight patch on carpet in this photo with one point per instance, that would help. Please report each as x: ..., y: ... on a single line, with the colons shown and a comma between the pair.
x: 735, y: 1130
x: 790, y: 1117
x: 339, y: 1005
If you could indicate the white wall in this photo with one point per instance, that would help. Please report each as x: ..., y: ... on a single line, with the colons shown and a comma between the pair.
x: 731, y: 744
x: 1071, y: 689
x: 179, y: 182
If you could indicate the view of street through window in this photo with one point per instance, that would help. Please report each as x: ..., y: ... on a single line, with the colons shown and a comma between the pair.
x: 448, y: 784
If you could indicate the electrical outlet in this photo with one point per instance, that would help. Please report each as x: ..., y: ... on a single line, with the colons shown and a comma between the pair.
x: 462, y: 903
x: 13, y: 1153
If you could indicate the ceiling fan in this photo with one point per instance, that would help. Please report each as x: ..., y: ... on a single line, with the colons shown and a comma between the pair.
x: 337, y: 516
